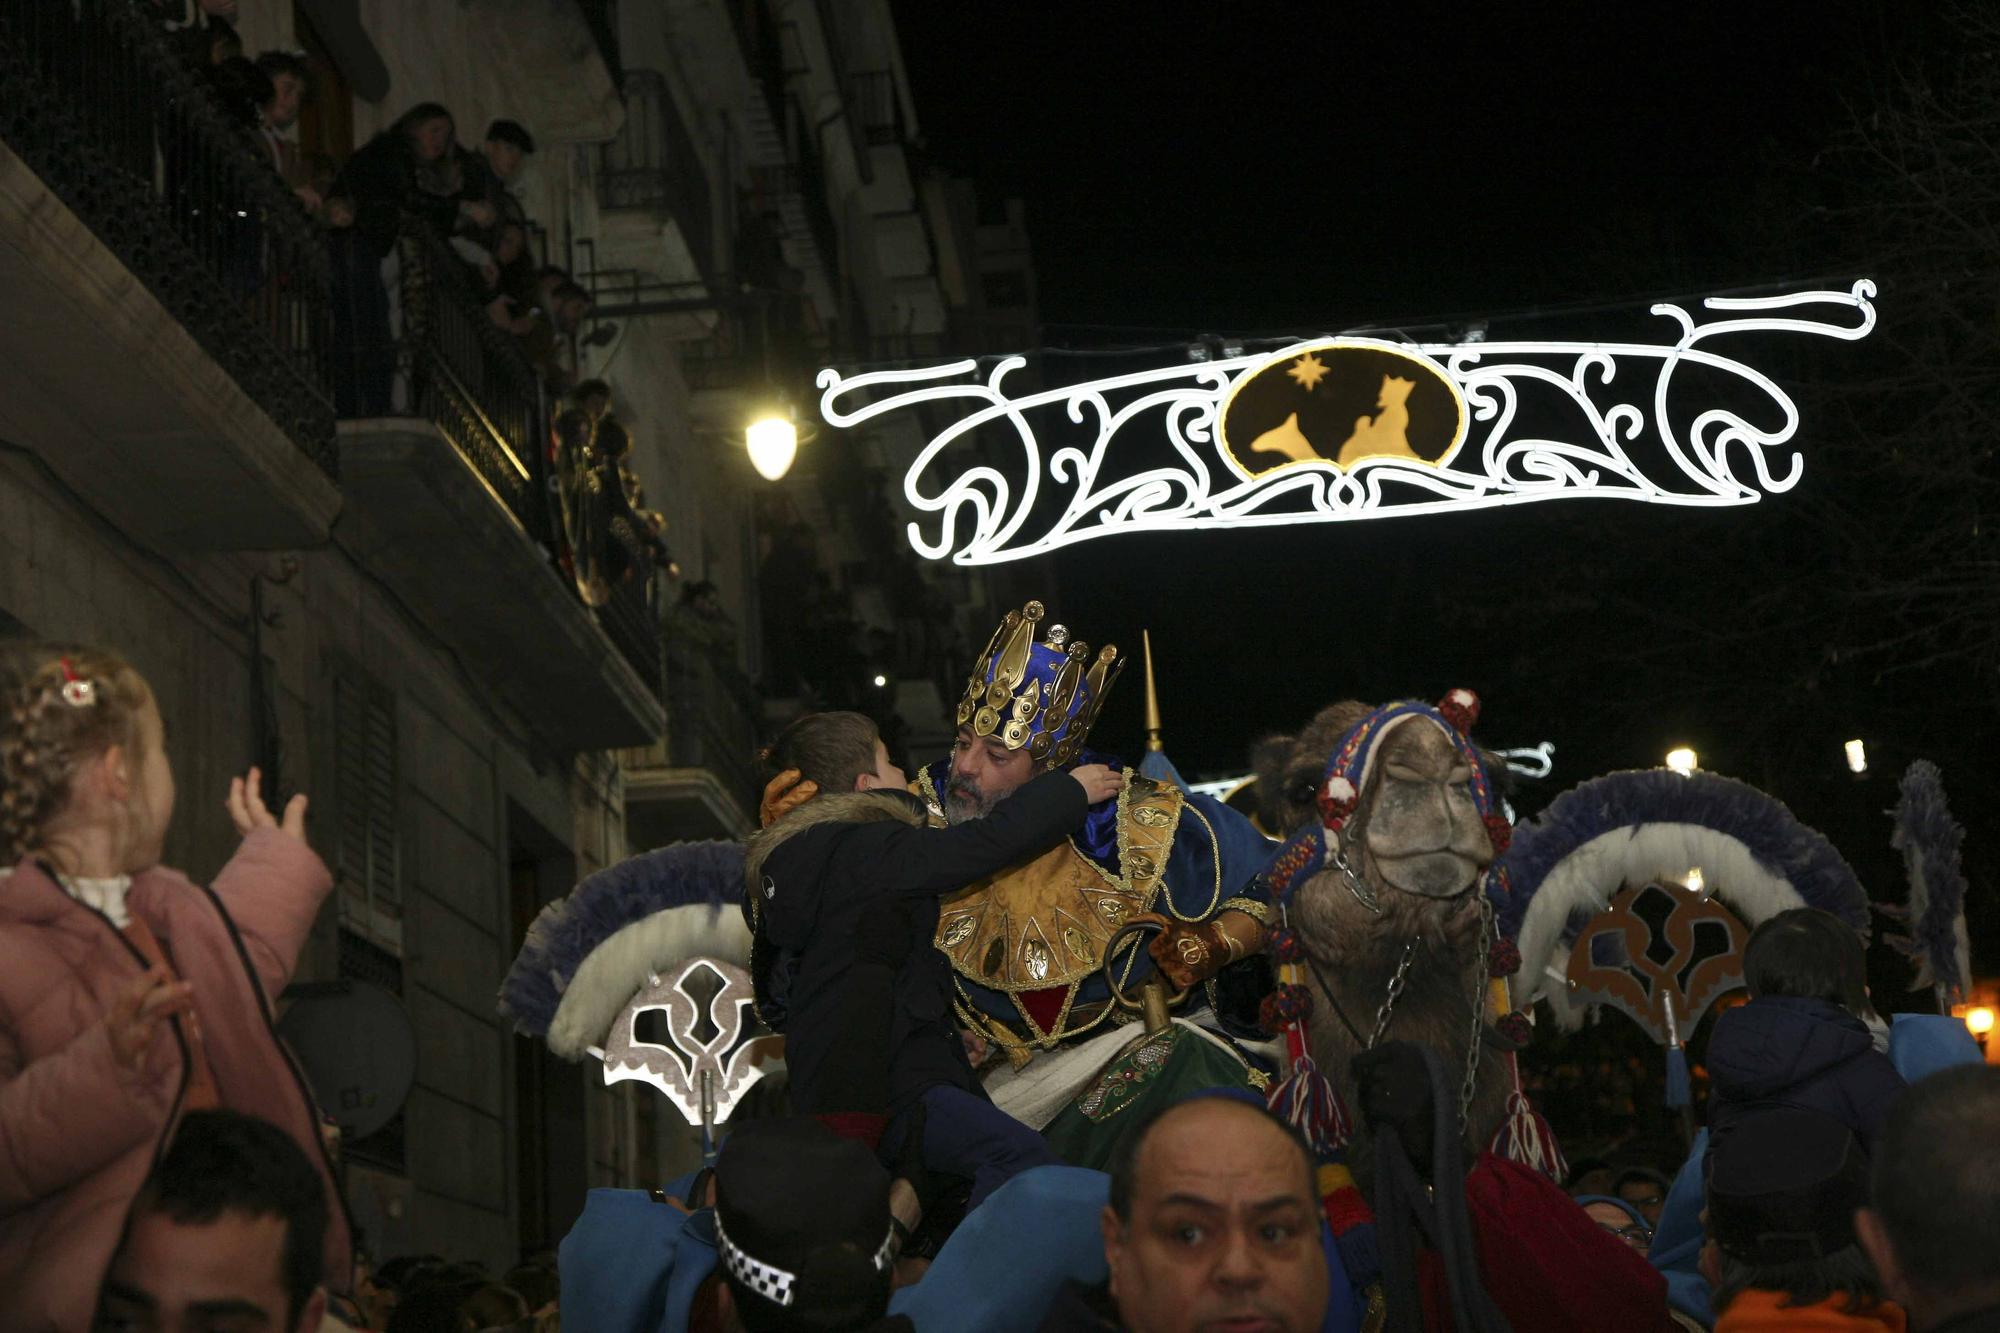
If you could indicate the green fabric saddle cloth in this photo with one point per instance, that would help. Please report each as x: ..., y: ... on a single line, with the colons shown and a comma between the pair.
x: 1155, y: 1070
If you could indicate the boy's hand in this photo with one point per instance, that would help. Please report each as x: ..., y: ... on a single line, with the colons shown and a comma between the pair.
x: 1099, y: 781
x: 135, y: 1016
x: 782, y: 794
x: 246, y: 808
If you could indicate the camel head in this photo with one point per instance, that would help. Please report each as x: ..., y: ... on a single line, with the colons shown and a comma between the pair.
x: 1391, y: 827
x: 1408, y: 822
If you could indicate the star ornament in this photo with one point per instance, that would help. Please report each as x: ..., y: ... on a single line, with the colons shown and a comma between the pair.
x: 1308, y: 370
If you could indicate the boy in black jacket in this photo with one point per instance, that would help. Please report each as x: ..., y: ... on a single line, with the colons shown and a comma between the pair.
x: 854, y: 875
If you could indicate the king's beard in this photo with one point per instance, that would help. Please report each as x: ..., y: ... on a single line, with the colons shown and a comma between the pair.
x: 965, y: 802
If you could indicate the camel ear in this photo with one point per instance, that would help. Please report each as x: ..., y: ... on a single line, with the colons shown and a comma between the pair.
x: 1267, y: 765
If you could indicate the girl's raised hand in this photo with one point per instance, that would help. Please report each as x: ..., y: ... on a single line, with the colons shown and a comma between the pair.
x: 246, y: 808
x: 135, y: 1016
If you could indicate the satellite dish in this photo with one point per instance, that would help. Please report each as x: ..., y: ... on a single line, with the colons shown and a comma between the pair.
x: 358, y: 1050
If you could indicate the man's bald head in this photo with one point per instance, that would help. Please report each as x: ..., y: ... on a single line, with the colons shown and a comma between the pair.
x: 1197, y: 1116
x: 1214, y: 1221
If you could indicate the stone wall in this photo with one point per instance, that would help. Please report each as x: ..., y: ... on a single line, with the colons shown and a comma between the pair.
x: 463, y: 767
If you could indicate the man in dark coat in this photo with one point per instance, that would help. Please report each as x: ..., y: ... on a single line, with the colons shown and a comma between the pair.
x: 814, y: 877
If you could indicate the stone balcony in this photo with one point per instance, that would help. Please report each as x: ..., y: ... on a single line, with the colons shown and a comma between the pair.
x: 167, y: 298
x: 448, y: 502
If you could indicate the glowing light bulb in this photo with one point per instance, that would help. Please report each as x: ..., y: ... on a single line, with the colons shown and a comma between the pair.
x: 773, y: 442
x: 1979, y: 1020
x: 1682, y: 760
x: 1857, y: 757
x: 881, y: 682
x: 1695, y: 882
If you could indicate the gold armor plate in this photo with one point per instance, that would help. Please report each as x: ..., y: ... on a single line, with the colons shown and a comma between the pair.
x: 1045, y: 922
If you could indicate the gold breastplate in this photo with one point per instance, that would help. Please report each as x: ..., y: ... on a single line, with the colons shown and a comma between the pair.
x: 1045, y: 922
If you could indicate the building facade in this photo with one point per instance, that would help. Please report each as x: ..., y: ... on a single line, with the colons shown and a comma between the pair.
x: 382, y: 609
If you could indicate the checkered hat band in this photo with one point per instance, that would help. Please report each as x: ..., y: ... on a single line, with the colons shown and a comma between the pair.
x: 774, y: 1284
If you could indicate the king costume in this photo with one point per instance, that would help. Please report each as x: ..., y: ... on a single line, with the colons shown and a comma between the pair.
x: 1027, y: 945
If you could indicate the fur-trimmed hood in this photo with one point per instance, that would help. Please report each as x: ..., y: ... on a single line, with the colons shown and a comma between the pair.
x: 860, y: 807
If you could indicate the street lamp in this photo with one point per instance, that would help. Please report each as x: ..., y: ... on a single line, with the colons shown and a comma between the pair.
x: 1682, y: 760
x: 773, y: 442
x: 1857, y: 758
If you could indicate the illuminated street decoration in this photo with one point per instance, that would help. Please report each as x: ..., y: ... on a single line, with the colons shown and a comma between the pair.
x: 1348, y: 428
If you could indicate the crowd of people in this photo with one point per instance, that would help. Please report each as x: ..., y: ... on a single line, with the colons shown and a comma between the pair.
x: 411, y: 184
x: 164, y: 1165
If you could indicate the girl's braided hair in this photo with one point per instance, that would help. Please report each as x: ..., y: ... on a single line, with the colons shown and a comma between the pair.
x: 60, y: 706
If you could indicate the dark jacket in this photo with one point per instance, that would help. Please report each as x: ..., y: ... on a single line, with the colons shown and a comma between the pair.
x: 1806, y: 1055
x: 381, y: 179
x: 815, y: 873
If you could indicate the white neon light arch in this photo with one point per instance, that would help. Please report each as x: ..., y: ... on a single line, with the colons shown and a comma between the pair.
x: 986, y: 516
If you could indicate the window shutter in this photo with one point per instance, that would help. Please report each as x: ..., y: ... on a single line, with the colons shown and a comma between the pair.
x: 368, y: 853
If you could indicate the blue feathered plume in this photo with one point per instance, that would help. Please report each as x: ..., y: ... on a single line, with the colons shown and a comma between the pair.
x: 1770, y: 832
x: 1930, y: 841
x: 1565, y: 865
x: 685, y: 874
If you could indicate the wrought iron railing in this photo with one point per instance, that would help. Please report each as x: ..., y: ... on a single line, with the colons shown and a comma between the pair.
x: 712, y: 712
x: 631, y: 618
x: 818, y: 207
x: 99, y: 106
x: 653, y: 163
x: 762, y: 43
x: 468, y: 376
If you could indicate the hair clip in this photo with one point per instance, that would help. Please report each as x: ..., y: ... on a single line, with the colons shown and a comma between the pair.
x: 76, y: 691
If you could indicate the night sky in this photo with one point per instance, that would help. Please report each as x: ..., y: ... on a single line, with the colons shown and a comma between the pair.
x: 1291, y: 170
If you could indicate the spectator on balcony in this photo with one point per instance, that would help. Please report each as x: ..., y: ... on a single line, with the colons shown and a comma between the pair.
x: 239, y: 88
x: 698, y: 617
x: 488, y: 175
x: 408, y: 168
x: 199, y: 31
x: 276, y: 116
x: 566, y: 306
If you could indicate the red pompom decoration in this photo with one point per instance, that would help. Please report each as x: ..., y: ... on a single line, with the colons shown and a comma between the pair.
x: 1336, y: 801
x: 1505, y: 958
x: 1501, y: 833
x: 1283, y: 1007
x: 1461, y: 709
x: 1514, y: 1028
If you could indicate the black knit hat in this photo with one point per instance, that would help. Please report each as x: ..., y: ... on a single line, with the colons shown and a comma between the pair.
x: 513, y: 132
x: 802, y: 1219
x: 1783, y: 1187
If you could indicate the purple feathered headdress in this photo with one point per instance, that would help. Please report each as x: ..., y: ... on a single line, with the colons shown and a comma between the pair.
x: 1934, y: 913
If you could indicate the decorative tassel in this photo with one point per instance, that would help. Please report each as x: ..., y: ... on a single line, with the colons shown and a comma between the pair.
x: 1308, y: 1103
x: 1525, y: 1136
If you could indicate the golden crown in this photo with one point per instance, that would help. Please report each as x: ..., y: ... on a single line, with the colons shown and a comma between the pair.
x: 1039, y: 696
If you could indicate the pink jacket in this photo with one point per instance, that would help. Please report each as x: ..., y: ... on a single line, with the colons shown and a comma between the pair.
x: 78, y: 1131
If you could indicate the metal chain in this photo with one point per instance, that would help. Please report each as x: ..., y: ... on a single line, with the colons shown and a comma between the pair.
x: 1485, y: 960
x: 1388, y: 1006
x: 1355, y: 884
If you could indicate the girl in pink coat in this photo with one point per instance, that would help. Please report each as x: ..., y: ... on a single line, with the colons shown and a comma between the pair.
x: 128, y: 995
